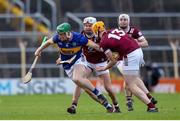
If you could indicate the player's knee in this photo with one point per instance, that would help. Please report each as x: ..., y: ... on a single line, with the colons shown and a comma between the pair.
x: 76, y: 79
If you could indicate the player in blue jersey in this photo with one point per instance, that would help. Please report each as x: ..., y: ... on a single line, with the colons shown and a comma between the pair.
x: 70, y: 46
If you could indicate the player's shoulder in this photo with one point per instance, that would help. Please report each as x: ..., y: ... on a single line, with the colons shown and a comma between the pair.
x: 134, y: 28
x: 77, y: 35
x: 110, y: 30
x: 55, y: 35
x: 83, y: 32
x: 79, y: 38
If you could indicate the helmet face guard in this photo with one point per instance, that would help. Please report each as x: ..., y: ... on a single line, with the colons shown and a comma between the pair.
x: 68, y: 34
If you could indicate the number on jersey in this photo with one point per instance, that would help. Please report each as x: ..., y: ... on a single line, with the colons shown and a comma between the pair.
x: 116, y: 34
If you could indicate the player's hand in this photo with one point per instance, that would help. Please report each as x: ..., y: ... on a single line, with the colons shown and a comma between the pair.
x: 58, y: 61
x: 37, y: 52
x: 100, y: 68
x: 115, y: 56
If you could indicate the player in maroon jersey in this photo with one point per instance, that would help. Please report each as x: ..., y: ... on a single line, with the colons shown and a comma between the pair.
x: 136, y: 34
x: 94, y: 58
x: 132, y: 31
x: 129, y: 51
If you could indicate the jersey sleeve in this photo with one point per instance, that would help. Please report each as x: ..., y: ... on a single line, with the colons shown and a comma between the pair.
x: 83, y: 40
x: 103, y: 46
x: 55, y: 38
x: 137, y: 33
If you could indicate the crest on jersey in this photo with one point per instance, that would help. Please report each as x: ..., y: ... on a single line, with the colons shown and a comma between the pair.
x: 60, y: 43
x: 67, y: 45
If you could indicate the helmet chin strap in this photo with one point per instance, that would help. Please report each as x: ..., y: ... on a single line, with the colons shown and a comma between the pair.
x: 89, y: 35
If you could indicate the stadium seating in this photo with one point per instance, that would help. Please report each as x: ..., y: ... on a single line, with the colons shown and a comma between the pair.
x: 158, y: 30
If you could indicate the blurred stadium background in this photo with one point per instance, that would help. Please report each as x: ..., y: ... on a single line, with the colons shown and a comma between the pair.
x: 23, y: 23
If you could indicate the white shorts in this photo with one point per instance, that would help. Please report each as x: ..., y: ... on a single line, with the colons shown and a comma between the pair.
x: 92, y: 66
x: 131, y: 64
x: 80, y: 61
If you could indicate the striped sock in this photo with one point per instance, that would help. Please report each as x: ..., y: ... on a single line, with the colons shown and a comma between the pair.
x: 96, y: 92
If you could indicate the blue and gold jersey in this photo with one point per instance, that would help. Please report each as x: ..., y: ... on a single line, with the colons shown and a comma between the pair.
x: 70, y: 48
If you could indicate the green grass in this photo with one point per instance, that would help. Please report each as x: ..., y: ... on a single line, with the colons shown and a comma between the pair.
x: 54, y: 107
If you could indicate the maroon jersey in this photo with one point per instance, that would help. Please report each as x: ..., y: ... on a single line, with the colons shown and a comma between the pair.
x: 134, y: 32
x: 118, y: 41
x: 92, y: 55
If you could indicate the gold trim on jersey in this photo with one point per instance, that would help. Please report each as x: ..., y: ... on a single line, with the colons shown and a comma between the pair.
x: 88, y: 41
x: 69, y: 51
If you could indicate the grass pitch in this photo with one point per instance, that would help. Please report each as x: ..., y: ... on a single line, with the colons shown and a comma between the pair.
x: 54, y: 107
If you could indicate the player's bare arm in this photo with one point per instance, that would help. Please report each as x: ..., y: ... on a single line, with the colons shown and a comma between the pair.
x: 45, y: 45
x: 112, y: 60
x: 58, y: 61
x: 93, y: 45
x: 109, y: 65
x: 142, y: 42
x: 111, y: 56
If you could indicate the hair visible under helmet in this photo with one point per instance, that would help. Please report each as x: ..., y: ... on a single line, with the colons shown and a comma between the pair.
x: 126, y: 16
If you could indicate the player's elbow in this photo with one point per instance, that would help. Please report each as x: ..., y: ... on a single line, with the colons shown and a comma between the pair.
x: 144, y: 45
x: 146, y: 42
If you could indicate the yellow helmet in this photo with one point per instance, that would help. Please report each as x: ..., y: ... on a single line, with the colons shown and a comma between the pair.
x: 98, y: 26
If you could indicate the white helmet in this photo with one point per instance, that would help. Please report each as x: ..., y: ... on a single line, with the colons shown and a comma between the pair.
x: 90, y: 20
x: 88, y: 32
x: 126, y: 16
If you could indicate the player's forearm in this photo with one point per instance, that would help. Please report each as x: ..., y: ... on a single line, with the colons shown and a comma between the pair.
x: 96, y: 47
x: 110, y: 64
x: 45, y: 45
x: 93, y: 45
x: 143, y: 43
